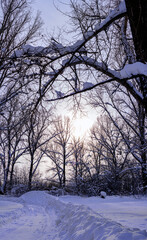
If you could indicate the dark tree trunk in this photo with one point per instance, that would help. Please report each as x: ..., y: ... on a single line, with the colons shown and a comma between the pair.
x: 30, y: 173
x: 11, y: 175
x: 64, y: 163
x: 142, y: 130
x: 137, y: 14
x: 76, y: 170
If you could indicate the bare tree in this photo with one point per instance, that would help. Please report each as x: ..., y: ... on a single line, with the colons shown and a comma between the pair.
x: 77, y: 161
x: 12, y: 145
x: 132, y: 116
x: 59, y: 151
x: 115, y: 156
x: 55, y: 166
x: 37, y: 137
x: 96, y: 152
x: 92, y: 54
x: 16, y: 30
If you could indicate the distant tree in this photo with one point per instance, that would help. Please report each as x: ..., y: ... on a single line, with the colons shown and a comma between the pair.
x: 55, y: 169
x: 77, y: 161
x: 115, y: 158
x: 12, y: 147
x: 131, y: 116
x: 37, y: 138
x: 59, y: 151
x: 96, y: 151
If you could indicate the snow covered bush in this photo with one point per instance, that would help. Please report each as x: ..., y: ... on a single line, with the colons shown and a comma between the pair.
x: 103, y: 194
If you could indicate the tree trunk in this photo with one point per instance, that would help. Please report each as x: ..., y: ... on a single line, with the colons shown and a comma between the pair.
x: 11, y: 175
x: 4, y: 186
x: 64, y: 163
x: 7, y: 170
x: 143, y: 147
x: 30, y: 174
x: 137, y: 14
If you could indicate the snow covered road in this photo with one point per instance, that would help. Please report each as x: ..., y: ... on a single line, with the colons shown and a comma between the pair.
x: 38, y: 216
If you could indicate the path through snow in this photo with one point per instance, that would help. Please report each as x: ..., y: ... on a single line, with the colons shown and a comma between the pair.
x: 38, y: 216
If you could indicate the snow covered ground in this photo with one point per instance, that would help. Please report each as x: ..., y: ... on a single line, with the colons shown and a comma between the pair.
x: 128, y: 211
x: 37, y: 215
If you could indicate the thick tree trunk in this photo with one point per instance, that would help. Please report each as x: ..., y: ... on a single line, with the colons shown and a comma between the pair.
x: 137, y: 14
x: 142, y: 129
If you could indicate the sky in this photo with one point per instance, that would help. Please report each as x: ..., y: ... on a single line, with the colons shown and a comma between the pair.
x: 54, y: 20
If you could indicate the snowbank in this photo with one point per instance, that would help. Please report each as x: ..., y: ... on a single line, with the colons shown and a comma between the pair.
x: 81, y: 223
x: 45, y: 217
x: 130, y: 212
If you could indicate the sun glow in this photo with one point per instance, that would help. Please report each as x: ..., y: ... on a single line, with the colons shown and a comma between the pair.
x: 81, y: 121
x: 81, y: 126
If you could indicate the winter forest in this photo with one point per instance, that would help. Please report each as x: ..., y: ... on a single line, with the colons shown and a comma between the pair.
x: 101, y: 63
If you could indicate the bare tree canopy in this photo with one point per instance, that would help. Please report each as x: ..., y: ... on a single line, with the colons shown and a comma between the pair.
x: 92, y: 56
x: 17, y: 28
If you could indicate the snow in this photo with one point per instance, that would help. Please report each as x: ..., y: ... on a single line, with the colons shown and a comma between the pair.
x: 130, y: 70
x: 88, y: 34
x: 77, y: 45
x: 59, y: 94
x: 38, y: 215
x: 28, y: 49
x: 122, y: 7
x: 103, y: 194
x: 117, y: 11
x: 56, y: 47
x: 129, y: 211
x: 87, y: 85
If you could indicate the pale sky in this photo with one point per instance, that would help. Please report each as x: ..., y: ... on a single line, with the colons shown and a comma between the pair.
x: 52, y: 18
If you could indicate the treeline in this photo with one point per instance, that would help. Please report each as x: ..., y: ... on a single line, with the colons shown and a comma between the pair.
x: 103, y: 160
